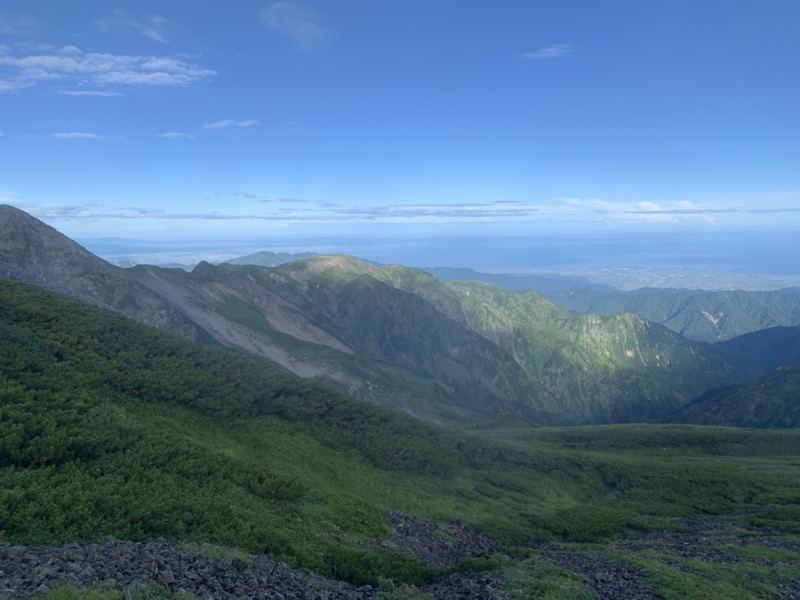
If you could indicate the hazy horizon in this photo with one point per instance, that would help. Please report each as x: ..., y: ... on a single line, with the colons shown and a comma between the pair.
x: 738, y: 260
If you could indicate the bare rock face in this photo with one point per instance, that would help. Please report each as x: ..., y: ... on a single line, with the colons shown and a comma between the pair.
x: 35, y: 253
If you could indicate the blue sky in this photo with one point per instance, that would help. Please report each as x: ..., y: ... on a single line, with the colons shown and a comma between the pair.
x: 437, y: 117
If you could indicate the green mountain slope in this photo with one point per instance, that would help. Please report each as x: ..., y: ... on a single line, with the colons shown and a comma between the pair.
x: 697, y: 315
x: 109, y: 428
x: 772, y: 401
x: 393, y: 327
x: 316, y: 332
x: 447, y: 352
x: 518, y: 282
x: 600, y: 369
x: 490, y: 351
x: 772, y: 348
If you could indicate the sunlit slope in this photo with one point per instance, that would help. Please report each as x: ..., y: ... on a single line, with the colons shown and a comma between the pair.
x: 600, y: 369
x: 374, y: 341
x: 704, y: 316
x: 451, y: 352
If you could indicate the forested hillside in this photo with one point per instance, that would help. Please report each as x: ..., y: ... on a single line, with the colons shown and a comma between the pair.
x: 772, y: 348
x: 772, y: 401
x: 698, y: 315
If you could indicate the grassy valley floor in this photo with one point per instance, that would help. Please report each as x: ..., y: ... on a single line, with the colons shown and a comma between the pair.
x: 687, y: 512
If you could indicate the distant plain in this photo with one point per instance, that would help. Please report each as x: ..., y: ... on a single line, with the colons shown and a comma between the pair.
x: 744, y: 260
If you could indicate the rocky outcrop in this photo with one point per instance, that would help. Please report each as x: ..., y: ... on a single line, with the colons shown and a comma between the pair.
x: 609, y: 579
x: 25, y: 572
x: 434, y: 545
x: 713, y: 540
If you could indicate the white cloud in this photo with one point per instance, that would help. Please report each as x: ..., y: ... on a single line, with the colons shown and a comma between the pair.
x: 648, y: 206
x: 173, y: 135
x: 305, y: 211
x: 288, y: 210
x: 78, y: 135
x: 155, y: 27
x: 72, y: 65
x: 230, y: 123
x: 299, y: 23
x: 15, y: 24
x: 11, y: 86
x: 98, y: 93
x: 549, y: 52
x: 680, y: 211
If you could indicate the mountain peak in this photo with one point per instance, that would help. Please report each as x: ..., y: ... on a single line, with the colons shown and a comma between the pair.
x: 32, y: 250
x: 204, y: 269
x: 35, y: 253
x: 330, y: 265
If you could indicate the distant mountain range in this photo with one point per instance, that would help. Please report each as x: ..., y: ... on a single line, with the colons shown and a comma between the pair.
x: 702, y: 316
x: 270, y: 259
x: 449, y: 352
x: 518, y: 282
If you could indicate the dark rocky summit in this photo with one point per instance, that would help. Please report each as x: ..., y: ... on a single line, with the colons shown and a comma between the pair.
x: 35, y: 253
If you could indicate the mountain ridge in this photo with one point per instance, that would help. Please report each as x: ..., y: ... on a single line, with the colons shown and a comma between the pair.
x: 33, y: 252
x: 703, y: 316
x: 449, y: 352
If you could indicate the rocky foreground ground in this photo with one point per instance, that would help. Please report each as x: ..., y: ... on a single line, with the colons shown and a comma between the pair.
x: 705, y: 541
x: 26, y: 572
